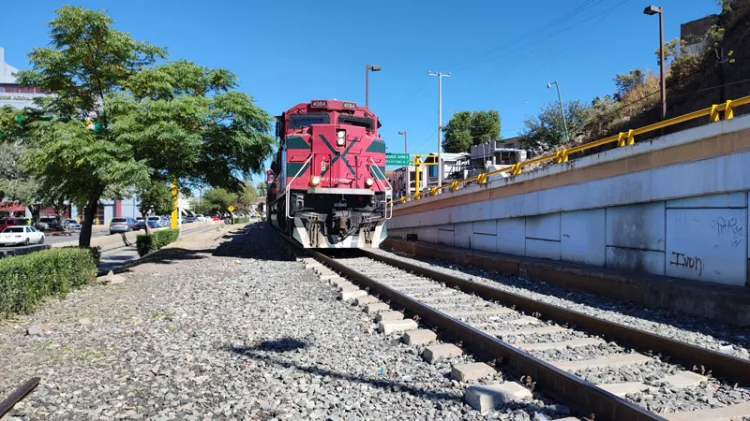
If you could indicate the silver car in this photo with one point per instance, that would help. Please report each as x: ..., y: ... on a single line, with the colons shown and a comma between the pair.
x: 121, y: 225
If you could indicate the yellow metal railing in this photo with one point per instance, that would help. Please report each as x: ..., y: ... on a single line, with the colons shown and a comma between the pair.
x: 622, y: 139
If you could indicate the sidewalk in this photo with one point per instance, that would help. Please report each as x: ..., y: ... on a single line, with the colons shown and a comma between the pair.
x: 112, y: 242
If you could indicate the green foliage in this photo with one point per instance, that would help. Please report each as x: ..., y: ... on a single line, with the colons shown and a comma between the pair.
x: 186, y: 121
x: 466, y: 128
x: 26, y: 279
x: 262, y: 188
x: 155, y: 197
x: 546, y: 130
x: 151, y: 242
x: 219, y: 199
x: 122, y: 121
x: 245, y: 199
x: 245, y: 220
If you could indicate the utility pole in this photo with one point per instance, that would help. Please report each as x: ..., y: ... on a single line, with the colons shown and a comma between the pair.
x: 562, y: 109
x: 440, y: 77
x: 368, y: 69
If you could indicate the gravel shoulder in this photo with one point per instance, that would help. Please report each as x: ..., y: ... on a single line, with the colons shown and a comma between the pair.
x: 705, y: 333
x: 222, y: 325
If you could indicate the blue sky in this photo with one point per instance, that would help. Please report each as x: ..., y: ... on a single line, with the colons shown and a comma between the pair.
x: 501, y: 53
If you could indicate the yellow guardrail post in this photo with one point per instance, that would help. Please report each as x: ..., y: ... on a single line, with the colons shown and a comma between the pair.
x: 629, y: 138
x: 482, y: 179
x: 434, y: 191
x: 515, y: 169
x: 417, y: 186
x: 714, y: 116
x: 728, y: 111
x: 561, y: 156
x: 455, y: 185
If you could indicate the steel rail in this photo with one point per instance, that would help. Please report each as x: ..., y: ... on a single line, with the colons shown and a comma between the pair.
x: 571, y: 390
x: 734, y: 369
x: 17, y: 395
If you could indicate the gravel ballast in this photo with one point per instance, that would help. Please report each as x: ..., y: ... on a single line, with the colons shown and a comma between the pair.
x: 221, y: 331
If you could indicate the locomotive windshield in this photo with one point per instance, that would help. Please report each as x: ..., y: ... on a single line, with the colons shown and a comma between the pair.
x: 351, y: 120
x: 306, y: 120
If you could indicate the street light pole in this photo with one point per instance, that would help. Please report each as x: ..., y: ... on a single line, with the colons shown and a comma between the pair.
x: 653, y: 10
x: 403, y: 132
x: 562, y: 109
x: 368, y: 68
x: 440, y: 77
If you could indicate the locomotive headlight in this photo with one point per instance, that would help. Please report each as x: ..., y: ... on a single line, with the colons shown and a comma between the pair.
x: 369, y: 182
x: 340, y: 137
x: 314, y: 180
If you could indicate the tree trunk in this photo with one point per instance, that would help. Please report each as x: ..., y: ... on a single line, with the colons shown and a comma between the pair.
x: 89, y: 213
x: 145, y: 223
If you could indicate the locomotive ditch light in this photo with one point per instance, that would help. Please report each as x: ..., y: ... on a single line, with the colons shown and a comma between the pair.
x: 315, y: 180
x: 340, y: 137
x: 369, y: 182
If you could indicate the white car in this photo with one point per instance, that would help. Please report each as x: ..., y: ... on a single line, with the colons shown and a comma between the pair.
x: 21, y: 235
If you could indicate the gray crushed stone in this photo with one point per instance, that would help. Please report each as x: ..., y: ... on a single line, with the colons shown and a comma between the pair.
x: 237, y: 332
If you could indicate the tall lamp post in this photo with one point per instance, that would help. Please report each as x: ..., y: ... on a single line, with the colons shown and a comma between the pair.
x: 440, y: 77
x: 368, y: 69
x: 562, y: 109
x: 408, y: 167
x: 403, y: 132
x: 653, y: 10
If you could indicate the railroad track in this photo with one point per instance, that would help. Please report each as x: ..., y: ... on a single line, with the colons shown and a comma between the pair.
x: 556, y: 351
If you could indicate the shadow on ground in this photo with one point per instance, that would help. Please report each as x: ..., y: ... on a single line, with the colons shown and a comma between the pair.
x: 258, y: 352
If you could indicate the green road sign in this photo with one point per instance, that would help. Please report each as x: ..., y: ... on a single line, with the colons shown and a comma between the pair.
x: 397, y: 159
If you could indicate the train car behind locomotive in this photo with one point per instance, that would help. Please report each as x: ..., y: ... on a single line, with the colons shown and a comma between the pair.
x: 330, y: 189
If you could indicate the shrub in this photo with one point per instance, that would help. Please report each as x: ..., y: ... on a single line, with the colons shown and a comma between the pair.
x: 241, y: 221
x: 25, y: 280
x: 154, y: 241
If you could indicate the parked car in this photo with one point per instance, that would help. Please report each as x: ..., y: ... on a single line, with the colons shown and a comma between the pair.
x: 200, y: 218
x: 49, y: 223
x: 21, y: 235
x: 216, y: 218
x: 119, y: 225
x: 72, y: 224
x: 189, y: 219
x: 154, y: 222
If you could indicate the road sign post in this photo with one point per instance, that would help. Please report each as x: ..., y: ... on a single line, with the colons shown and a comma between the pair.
x: 397, y: 159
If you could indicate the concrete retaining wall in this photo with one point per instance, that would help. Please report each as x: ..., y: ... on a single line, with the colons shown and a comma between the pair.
x: 684, y: 219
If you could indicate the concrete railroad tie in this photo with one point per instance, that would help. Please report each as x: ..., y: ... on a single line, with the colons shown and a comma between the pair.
x: 387, y: 316
x: 485, y: 398
x: 388, y: 327
x: 437, y: 352
x: 376, y: 308
x: 363, y: 301
x: 419, y: 337
x: 350, y: 294
x: 471, y: 371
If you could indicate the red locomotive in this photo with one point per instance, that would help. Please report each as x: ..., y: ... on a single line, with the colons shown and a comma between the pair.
x: 329, y: 176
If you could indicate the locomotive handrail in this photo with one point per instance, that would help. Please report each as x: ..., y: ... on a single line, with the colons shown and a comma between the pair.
x: 622, y: 139
x: 289, y: 185
x: 388, y: 192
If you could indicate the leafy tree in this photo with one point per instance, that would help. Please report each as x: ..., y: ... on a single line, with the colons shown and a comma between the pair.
x: 186, y: 122
x: 175, y: 121
x: 219, y: 199
x: 546, y: 130
x: 458, y: 133
x: 262, y: 188
x: 485, y: 127
x: 155, y: 197
x: 86, y: 62
x: 466, y: 128
x: 245, y: 200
